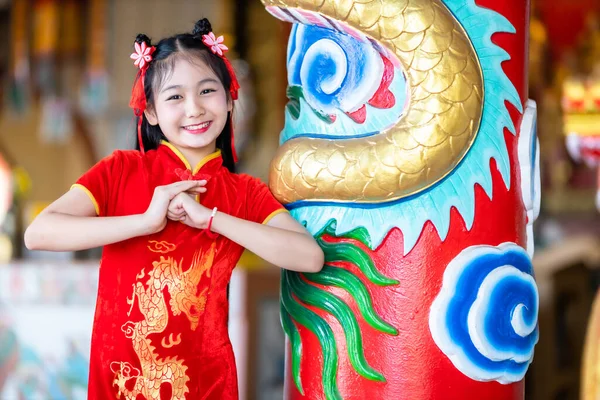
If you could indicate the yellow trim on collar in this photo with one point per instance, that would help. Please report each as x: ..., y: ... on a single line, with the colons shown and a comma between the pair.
x: 202, y: 162
x: 90, y: 195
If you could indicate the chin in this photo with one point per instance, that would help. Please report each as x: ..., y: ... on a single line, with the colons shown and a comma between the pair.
x: 198, y: 141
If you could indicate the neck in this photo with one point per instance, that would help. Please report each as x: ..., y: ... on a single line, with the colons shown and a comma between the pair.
x: 194, y: 156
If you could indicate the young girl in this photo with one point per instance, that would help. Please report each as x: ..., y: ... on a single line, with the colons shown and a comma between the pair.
x: 174, y: 219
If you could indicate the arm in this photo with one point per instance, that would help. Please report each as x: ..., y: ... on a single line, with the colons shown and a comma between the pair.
x: 282, y: 242
x: 70, y: 223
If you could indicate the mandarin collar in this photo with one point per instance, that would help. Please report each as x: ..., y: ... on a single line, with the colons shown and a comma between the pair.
x: 205, y: 169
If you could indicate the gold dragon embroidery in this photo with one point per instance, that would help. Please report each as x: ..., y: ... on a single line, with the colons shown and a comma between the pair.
x: 183, y: 289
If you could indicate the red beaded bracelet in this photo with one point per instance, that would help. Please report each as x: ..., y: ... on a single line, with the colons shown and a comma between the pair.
x: 207, y: 230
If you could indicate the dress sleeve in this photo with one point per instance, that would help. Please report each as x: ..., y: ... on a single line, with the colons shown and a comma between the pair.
x: 261, y: 205
x: 99, y: 182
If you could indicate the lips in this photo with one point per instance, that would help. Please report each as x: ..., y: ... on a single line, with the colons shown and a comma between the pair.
x: 198, y: 128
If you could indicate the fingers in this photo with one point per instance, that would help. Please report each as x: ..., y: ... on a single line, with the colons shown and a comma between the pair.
x: 197, y: 190
x: 176, y: 217
x: 200, y: 183
x: 175, y: 212
x: 175, y: 208
x: 174, y: 189
x: 173, y: 217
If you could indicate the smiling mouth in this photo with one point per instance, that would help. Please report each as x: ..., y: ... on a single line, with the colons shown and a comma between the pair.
x: 198, y: 127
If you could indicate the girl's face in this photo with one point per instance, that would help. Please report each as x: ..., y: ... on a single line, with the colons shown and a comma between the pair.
x: 191, y: 106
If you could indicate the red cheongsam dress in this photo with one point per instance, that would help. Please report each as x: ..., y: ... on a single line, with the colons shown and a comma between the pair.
x: 160, y: 328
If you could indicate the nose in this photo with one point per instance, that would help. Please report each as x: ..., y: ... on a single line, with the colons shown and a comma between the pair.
x: 193, y: 107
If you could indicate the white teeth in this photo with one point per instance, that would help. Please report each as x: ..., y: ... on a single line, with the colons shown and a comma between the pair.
x: 194, y: 127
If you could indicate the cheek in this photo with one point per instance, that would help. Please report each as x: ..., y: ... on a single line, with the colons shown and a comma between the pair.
x: 221, y: 107
x: 167, y: 113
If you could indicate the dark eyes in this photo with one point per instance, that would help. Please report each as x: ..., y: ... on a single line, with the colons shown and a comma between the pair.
x: 178, y: 97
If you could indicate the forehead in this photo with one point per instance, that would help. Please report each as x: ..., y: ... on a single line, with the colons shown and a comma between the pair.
x: 188, y: 70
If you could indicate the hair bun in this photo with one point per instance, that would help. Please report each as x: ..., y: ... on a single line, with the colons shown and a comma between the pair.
x: 141, y: 38
x: 202, y: 27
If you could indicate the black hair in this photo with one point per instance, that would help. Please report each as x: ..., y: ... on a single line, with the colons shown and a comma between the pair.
x: 188, y: 45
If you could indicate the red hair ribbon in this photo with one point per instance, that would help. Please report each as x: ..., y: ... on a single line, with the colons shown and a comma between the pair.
x: 142, y: 57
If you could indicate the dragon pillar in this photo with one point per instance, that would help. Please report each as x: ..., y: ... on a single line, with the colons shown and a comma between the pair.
x: 409, y: 151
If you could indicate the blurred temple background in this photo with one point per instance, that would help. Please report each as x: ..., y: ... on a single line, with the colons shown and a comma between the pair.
x: 65, y: 81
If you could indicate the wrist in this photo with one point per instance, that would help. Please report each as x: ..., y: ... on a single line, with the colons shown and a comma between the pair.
x: 210, y: 224
x: 219, y: 223
x: 144, y: 225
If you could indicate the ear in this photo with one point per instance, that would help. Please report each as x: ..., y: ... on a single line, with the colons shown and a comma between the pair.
x: 151, y: 116
x: 229, y: 105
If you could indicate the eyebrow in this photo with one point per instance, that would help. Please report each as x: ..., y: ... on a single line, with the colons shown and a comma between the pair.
x: 207, y: 80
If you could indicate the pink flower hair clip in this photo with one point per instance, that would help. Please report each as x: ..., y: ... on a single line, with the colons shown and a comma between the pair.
x: 215, y: 43
x: 142, y: 55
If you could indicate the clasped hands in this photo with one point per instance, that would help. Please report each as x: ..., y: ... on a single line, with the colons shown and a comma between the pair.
x: 177, y: 202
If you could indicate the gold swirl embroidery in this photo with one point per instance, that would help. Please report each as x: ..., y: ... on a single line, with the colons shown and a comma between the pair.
x: 183, y: 289
x: 161, y: 247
